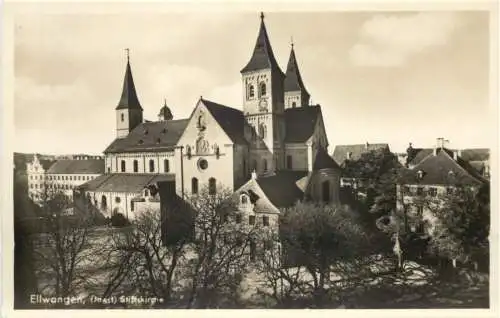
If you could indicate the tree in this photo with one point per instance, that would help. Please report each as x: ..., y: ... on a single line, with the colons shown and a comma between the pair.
x: 64, y: 248
x: 325, y: 239
x: 462, y: 227
x: 220, y: 250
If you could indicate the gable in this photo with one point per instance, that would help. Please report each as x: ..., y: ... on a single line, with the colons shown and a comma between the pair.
x: 202, y: 124
x: 259, y: 199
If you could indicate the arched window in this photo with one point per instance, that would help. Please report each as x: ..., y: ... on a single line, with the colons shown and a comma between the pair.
x: 166, y: 165
x: 104, y: 204
x: 264, y: 164
x: 146, y: 192
x: 294, y: 104
x: 136, y: 166
x: 151, y: 165
x: 251, y: 91
x: 212, y: 186
x: 244, y: 199
x: 263, y: 91
x: 122, y: 117
x: 194, y: 186
x: 132, y: 206
x: 123, y: 165
x: 117, y: 200
x: 262, y: 131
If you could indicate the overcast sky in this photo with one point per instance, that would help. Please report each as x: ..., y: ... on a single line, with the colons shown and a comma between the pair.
x: 380, y: 77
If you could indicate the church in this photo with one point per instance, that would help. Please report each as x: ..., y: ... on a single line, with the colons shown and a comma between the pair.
x: 276, y: 141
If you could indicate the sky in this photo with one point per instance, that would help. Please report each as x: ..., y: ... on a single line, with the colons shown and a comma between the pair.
x: 380, y: 77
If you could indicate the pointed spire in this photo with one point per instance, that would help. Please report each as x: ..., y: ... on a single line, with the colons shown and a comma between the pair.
x: 129, y: 98
x: 262, y: 56
x: 293, y: 80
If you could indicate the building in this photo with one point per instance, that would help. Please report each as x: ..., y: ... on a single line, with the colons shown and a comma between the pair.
x: 217, y: 146
x: 420, y: 188
x: 343, y: 154
x: 478, y: 158
x: 64, y: 175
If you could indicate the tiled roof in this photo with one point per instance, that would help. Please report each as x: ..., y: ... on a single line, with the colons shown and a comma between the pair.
x: 324, y: 161
x: 153, y: 136
x: 262, y: 56
x: 230, y: 119
x: 282, y: 189
x: 124, y: 182
x: 300, y: 123
x: 478, y: 154
x: 436, y: 171
x: 293, y: 79
x: 341, y: 151
x: 129, y: 98
x: 90, y: 166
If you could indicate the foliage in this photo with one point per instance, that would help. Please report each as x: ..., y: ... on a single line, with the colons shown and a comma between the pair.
x: 119, y: 220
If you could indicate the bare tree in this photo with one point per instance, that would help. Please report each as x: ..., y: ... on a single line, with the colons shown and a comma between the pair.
x: 64, y: 246
x: 220, y: 250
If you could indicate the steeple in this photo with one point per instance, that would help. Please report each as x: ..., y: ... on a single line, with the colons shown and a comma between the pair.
x: 262, y: 56
x: 295, y: 90
x: 129, y: 110
x: 129, y: 98
x: 165, y: 112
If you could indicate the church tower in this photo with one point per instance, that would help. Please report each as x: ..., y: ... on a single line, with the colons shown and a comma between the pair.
x: 263, y: 105
x: 129, y: 110
x: 296, y: 94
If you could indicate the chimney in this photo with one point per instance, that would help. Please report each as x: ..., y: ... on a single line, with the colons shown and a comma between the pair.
x: 366, y: 145
x: 456, y: 154
x: 349, y: 155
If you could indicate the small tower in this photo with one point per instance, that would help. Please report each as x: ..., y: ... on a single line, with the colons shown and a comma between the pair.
x: 129, y: 110
x: 296, y: 94
x: 165, y: 112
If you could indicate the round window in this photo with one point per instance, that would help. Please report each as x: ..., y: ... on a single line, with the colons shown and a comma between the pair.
x: 202, y: 164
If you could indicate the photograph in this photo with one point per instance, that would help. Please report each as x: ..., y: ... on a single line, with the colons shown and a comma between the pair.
x: 251, y: 157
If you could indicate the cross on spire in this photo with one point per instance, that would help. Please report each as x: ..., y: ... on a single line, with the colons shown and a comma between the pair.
x: 291, y: 41
x: 127, y: 50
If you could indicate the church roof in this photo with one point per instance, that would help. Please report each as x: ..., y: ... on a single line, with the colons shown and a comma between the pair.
x: 262, y: 56
x: 356, y: 151
x: 151, y: 136
x: 324, y: 161
x: 300, y: 123
x: 293, y: 79
x: 281, y: 188
x: 442, y: 169
x: 230, y: 119
x: 90, y: 166
x: 129, y: 98
x: 124, y: 182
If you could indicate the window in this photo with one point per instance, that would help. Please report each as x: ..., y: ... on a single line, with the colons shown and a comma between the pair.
x: 432, y: 192
x: 36, y: 186
x: 122, y: 117
x: 449, y: 190
x: 166, y: 165
x: 254, y: 165
x: 420, y: 190
x: 194, y: 186
x: 123, y: 165
x: 104, y: 204
x: 420, y: 210
x: 294, y: 104
x: 265, y: 220
x: 109, y: 170
x: 264, y: 164
x: 238, y: 218
x: 263, y: 90
x: 406, y: 190
x: 136, y: 166
x: 146, y: 193
x: 31, y: 186
x: 212, y: 186
x: 244, y: 199
x: 251, y: 91
x: 262, y: 131
x: 151, y: 165
x: 289, y: 162
x: 251, y: 219
x: 118, y: 200
x: 132, y: 206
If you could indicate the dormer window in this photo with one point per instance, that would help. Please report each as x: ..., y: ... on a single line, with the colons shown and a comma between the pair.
x: 244, y: 199
x: 420, y: 174
x: 145, y: 131
x: 141, y: 141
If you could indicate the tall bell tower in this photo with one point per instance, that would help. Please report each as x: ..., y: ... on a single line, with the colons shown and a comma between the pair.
x: 263, y: 105
x: 129, y: 110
